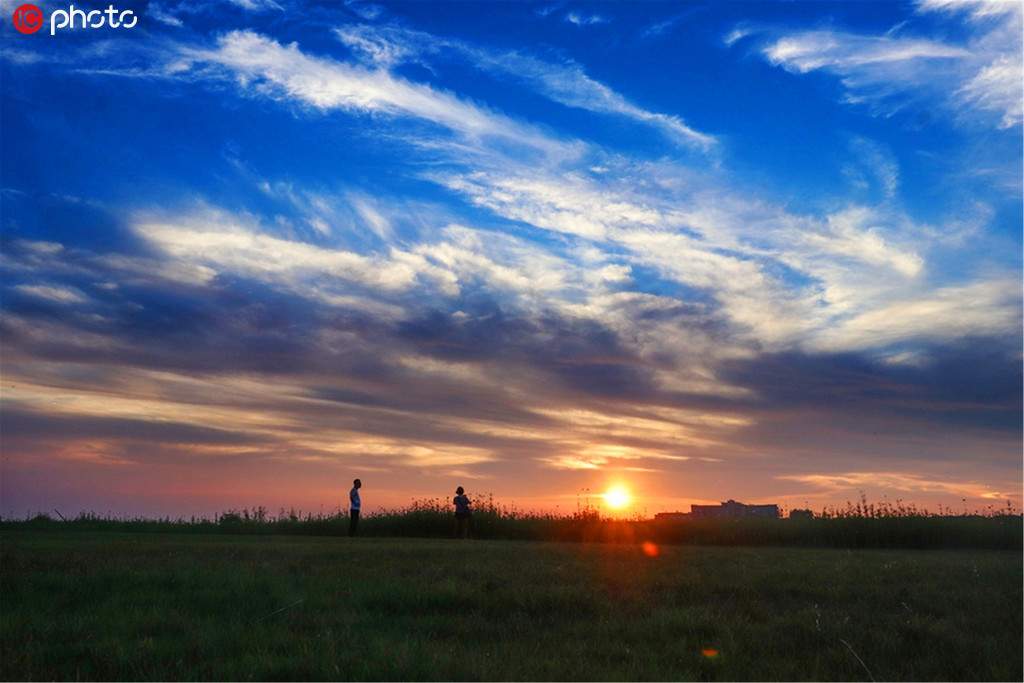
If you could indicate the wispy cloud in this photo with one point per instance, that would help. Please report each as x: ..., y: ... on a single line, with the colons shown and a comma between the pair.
x: 583, y: 19
x: 892, y: 70
x: 270, y: 68
x: 365, y: 10
x: 258, y: 5
x: 659, y: 28
x: 156, y: 11
x: 564, y: 81
x: 57, y: 294
x: 547, y: 10
x: 216, y: 241
x: 568, y: 84
x: 978, y: 309
x: 861, y: 262
x: 848, y: 53
x: 997, y: 88
x: 780, y: 279
x: 907, y: 484
x: 736, y: 35
x: 875, y: 165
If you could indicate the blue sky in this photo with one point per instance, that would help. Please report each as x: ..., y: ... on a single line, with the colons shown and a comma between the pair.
x: 766, y: 251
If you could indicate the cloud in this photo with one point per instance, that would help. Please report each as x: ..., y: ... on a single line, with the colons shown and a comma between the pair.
x: 904, y: 483
x: 157, y: 12
x: 858, y: 260
x: 469, y: 359
x: 506, y: 354
x: 368, y: 11
x: 568, y: 84
x: 976, y: 9
x: 257, y: 5
x: 736, y: 35
x: 846, y: 53
x: 581, y: 19
x: 564, y: 81
x: 371, y: 216
x: 569, y: 204
x: 22, y: 57
x: 987, y: 308
x: 659, y: 28
x: 878, y: 162
x: 886, y: 73
x: 376, y: 46
x: 220, y: 243
x: 57, y: 294
x: 547, y: 10
x: 854, y: 261
x: 892, y: 71
x: 265, y: 66
x: 997, y: 88
x: 851, y: 234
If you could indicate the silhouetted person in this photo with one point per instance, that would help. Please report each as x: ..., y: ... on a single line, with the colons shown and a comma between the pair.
x: 353, y: 507
x: 462, y: 513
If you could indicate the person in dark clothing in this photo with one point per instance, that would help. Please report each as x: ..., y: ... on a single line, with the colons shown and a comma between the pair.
x: 354, y: 504
x: 462, y: 513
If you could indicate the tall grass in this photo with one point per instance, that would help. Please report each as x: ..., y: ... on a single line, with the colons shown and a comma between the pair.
x: 860, y: 525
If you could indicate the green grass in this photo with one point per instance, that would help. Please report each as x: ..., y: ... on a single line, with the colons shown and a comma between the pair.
x: 80, y: 605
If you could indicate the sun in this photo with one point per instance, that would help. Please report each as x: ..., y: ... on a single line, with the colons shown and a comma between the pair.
x: 618, y: 497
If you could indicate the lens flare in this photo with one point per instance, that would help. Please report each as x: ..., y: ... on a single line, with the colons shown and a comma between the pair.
x: 617, y: 497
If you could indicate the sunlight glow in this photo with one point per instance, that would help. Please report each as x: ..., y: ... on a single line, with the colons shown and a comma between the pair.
x: 618, y: 497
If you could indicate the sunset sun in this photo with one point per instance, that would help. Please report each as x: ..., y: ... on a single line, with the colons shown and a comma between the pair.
x: 618, y: 497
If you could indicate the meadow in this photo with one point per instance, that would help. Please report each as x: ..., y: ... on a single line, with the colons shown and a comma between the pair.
x: 87, y: 604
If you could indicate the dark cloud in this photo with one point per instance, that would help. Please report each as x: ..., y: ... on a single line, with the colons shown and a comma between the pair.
x: 470, y: 373
x: 234, y: 325
x: 972, y: 383
x: 18, y: 424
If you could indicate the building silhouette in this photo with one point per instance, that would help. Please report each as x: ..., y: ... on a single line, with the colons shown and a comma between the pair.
x: 729, y: 509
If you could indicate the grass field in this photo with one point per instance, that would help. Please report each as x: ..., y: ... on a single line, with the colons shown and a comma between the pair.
x: 106, y: 605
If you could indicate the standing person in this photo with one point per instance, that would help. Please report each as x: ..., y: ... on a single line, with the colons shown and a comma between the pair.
x: 354, y: 503
x: 462, y: 513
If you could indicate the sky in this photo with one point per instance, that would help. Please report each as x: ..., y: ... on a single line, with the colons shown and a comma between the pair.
x: 768, y: 251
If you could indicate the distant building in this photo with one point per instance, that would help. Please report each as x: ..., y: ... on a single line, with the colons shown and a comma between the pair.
x: 729, y: 508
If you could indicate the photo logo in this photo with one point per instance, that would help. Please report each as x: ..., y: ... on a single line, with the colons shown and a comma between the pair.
x: 28, y: 19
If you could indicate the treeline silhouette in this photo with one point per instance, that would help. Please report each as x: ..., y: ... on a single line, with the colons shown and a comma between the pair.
x: 863, y: 525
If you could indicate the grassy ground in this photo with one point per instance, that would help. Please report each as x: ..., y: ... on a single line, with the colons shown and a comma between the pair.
x: 79, y: 605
